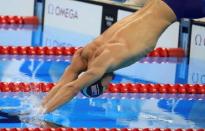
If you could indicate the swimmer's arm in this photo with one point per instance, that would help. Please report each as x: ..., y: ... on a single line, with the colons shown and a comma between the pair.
x: 130, y: 42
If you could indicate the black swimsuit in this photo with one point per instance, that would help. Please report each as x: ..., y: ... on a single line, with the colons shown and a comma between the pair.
x: 187, y: 8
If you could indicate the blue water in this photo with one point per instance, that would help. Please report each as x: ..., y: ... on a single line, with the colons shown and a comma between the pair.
x: 128, y: 110
x: 109, y: 110
x: 112, y: 111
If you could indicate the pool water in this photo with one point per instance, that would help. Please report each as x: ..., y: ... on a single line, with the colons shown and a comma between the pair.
x: 108, y: 110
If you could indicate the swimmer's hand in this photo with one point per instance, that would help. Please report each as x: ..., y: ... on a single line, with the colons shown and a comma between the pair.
x: 121, y: 45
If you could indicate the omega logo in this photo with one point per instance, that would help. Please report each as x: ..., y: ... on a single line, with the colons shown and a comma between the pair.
x: 62, y: 11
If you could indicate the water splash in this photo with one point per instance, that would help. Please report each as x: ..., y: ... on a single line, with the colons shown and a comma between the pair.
x: 31, y: 112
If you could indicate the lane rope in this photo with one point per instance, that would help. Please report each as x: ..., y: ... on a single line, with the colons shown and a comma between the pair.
x: 29, y: 50
x: 19, y: 20
x: 112, y: 88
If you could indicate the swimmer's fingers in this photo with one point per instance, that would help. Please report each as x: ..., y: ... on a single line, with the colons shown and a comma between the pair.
x: 71, y: 73
x: 96, y: 70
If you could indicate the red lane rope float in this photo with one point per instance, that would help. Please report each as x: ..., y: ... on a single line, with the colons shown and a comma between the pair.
x: 29, y: 50
x: 112, y: 88
x: 19, y: 20
x: 25, y: 87
x: 167, y: 52
x: 100, y: 129
x: 157, y: 88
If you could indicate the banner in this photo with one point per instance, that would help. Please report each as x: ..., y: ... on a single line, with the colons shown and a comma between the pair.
x: 17, y: 7
x: 74, y: 16
x: 197, y: 42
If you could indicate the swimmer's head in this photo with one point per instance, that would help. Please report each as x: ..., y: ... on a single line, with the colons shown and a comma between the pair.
x: 99, y: 87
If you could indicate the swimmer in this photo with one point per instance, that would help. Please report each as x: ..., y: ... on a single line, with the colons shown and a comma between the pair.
x: 121, y: 45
